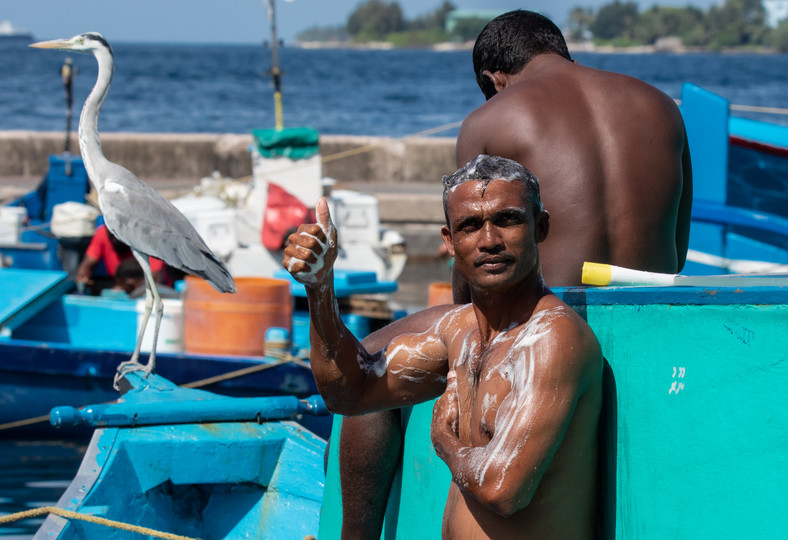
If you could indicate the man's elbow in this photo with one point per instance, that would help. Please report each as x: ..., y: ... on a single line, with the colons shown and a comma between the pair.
x: 341, y: 400
x: 504, y: 500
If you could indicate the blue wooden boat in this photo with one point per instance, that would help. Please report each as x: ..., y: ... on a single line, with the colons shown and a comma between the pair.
x: 740, y: 177
x: 63, y: 349
x: 194, y: 464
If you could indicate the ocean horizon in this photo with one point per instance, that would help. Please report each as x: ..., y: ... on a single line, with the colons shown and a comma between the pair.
x: 177, y: 88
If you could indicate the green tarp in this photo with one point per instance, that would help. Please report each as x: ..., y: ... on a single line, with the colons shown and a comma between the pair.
x: 293, y: 143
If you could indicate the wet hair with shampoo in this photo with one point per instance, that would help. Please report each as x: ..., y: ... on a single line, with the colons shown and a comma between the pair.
x: 484, y: 168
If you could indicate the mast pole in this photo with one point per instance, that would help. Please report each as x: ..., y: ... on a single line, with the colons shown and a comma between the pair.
x: 276, y: 74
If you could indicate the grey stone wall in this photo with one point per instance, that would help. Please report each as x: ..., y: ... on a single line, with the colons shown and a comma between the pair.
x: 192, y: 156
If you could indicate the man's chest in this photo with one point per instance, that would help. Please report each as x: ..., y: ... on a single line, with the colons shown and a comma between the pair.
x: 483, y: 382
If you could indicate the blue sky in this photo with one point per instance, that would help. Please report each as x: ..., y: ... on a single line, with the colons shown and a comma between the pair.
x: 233, y: 21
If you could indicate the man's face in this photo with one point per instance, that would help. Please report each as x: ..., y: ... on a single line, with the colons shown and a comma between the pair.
x: 492, y: 233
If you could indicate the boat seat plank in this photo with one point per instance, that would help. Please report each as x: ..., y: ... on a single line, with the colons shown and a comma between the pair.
x: 24, y: 293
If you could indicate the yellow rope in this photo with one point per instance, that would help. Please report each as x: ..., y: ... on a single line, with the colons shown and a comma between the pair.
x: 91, y: 519
x: 21, y: 423
x: 241, y: 372
x: 369, y: 147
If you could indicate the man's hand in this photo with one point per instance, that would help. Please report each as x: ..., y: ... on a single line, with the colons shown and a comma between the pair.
x: 445, y: 429
x: 312, y: 249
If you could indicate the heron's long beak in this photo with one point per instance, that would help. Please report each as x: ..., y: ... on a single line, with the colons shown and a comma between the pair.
x: 63, y: 44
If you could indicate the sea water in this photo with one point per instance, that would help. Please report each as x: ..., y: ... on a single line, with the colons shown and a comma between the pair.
x: 223, y: 89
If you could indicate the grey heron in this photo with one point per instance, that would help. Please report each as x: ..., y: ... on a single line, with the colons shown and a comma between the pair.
x: 133, y: 211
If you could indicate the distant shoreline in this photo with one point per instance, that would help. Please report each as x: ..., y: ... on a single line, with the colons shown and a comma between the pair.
x: 667, y: 45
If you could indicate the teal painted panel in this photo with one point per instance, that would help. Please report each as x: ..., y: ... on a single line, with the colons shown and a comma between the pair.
x: 702, y: 427
x: 331, y: 510
x: 424, y: 481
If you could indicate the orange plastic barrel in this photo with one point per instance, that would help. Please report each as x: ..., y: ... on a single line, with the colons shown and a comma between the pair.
x: 218, y: 323
x: 439, y: 293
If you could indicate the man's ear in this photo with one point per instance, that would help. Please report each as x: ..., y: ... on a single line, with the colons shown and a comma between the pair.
x: 499, y: 80
x: 542, y: 226
x: 446, y: 235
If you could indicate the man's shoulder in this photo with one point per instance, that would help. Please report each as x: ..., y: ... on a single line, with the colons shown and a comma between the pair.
x: 564, y: 320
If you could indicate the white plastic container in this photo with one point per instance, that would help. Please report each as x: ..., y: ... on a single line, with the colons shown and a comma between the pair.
x: 12, y: 219
x: 73, y: 220
x: 301, y: 178
x: 355, y: 216
x: 212, y: 220
x: 170, y: 331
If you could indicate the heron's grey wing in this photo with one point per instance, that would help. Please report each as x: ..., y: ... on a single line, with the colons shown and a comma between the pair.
x: 140, y: 217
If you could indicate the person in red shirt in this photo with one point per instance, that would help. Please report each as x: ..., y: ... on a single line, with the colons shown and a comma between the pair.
x: 104, y: 247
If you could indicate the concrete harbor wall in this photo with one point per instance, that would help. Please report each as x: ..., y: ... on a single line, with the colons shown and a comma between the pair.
x: 194, y: 155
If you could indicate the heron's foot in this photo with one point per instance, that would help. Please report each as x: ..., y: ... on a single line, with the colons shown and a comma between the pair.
x: 128, y: 367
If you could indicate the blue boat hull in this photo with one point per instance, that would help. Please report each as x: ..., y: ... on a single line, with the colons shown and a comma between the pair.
x: 199, y: 479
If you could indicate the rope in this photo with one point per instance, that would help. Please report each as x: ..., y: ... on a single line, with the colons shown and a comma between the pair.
x: 21, y: 423
x: 243, y: 371
x: 369, y: 147
x: 91, y: 519
x: 753, y: 108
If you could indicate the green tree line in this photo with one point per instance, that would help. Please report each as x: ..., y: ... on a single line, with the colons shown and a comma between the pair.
x: 377, y: 20
x: 735, y: 23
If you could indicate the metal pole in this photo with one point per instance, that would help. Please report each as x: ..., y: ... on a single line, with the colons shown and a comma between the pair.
x: 276, y: 74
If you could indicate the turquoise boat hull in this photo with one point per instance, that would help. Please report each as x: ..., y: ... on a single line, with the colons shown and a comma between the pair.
x: 194, y: 464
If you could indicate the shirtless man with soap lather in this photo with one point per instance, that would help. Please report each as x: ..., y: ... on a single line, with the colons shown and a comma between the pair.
x: 518, y: 371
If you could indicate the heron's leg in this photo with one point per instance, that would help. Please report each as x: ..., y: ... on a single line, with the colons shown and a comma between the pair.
x: 158, y: 308
x: 152, y: 301
x: 149, y: 299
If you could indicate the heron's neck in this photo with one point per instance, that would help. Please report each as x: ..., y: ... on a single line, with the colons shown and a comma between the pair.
x: 89, y: 143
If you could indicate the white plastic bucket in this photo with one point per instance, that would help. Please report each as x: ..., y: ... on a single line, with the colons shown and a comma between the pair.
x: 12, y: 219
x: 170, y: 331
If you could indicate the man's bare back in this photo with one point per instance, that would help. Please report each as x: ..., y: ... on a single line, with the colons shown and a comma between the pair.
x: 611, y: 155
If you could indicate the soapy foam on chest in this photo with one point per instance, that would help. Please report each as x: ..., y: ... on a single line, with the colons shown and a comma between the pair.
x: 504, y: 447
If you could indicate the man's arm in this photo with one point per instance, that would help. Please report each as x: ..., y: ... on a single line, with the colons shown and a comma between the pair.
x: 409, y: 369
x: 530, y: 423
x: 85, y: 270
x: 685, y: 207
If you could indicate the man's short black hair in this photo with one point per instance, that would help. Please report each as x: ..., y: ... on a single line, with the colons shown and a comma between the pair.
x: 129, y: 268
x: 510, y: 41
x: 484, y: 168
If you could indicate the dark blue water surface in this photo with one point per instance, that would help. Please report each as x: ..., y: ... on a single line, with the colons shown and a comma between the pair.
x: 221, y: 89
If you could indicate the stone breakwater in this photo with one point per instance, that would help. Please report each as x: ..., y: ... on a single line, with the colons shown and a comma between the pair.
x: 195, y: 155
